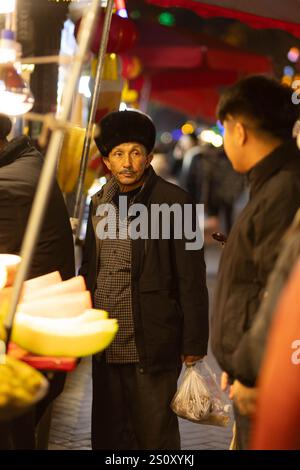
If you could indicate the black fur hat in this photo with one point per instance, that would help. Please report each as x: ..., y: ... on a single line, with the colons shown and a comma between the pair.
x: 125, y: 126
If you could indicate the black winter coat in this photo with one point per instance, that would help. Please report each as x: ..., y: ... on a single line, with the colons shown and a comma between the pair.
x: 252, y: 249
x: 250, y: 353
x: 20, y: 168
x: 169, y: 293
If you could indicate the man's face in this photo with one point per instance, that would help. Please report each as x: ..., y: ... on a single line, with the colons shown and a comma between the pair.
x: 234, y: 143
x: 128, y: 162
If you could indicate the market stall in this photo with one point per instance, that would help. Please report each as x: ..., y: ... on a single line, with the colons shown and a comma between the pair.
x: 51, y: 319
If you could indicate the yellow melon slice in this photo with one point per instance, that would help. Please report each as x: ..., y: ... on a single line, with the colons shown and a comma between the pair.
x: 68, y: 337
x: 11, y: 263
x: 59, y: 306
x: 40, y: 282
x: 76, y: 284
x: 90, y: 315
x: 3, y: 276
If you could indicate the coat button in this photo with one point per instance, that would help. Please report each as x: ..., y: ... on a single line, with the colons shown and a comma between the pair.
x: 141, y: 370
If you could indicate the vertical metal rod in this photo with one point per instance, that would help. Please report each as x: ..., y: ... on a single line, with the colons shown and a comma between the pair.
x: 93, y: 109
x: 49, y: 169
x: 14, y: 18
x: 8, y: 21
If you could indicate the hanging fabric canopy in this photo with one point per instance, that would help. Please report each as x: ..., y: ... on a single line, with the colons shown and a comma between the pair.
x: 177, y: 78
x: 185, y: 71
x: 161, y: 47
x: 261, y: 14
x: 186, y: 97
x: 198, y: 103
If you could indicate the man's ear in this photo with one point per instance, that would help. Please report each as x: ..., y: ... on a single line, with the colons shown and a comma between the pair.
x: 107, y: 162
x: 149, y: 159
x: 240, y: 134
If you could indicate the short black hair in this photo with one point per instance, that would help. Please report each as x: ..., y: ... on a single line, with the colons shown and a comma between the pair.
x: 263, y: 100
x: 5, y: 126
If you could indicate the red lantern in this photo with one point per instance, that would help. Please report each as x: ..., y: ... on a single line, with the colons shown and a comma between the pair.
x: 122, y: 35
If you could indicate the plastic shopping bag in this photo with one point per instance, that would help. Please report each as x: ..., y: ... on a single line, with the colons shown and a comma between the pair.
x: 200, y: 399
x: 192, y: 400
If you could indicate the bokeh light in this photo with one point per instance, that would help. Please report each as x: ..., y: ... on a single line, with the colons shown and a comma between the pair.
x: 289, y: 71
x: 176, y: 134
x: 187, y: 128
x: 166, y: 138
x: 166, y: 19
x: 294, y: 54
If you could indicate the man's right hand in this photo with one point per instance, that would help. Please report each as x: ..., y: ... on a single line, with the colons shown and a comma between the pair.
x: 225, y: 385
x: 245, y: 398
x: 224, y: 381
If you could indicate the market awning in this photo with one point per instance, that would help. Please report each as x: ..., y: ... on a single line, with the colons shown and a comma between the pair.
x: 198, y: 103
x: 186, y: 71
x: 188, y: 97
x: 161, y: 47
x: 165, y: 80
x: 284, y: 15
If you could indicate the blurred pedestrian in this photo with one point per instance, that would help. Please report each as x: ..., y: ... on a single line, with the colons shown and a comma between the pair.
x: 191, y: 171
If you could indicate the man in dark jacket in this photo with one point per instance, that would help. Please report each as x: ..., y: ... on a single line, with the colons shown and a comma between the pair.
x: 154, y: 286
x: 20, y: 168
x: 258, y: 116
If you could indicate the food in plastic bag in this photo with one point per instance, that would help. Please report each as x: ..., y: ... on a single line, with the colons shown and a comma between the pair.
x: 199, y: 398
x: 220, y: 405
x: 192, y: 400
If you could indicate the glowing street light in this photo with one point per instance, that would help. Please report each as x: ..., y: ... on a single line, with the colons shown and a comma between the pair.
x: 7, y: 6
x: 16, y: 97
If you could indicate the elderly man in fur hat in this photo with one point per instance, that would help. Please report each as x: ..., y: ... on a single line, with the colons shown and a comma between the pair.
x: 152, y: 284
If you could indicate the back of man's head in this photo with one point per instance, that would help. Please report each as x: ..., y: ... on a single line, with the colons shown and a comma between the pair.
x: 5, y: 126
x: 264, y: 102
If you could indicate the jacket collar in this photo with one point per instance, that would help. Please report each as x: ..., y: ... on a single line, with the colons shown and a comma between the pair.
x: 109, y: 189
x: 14, y: 149
x: 271, y: 164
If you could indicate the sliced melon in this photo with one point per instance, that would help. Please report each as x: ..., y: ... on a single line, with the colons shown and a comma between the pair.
x: 90, y: 315
x: 3, y: 276
x: 68, y: 337
x: 76, y: 284
x: 40, y: 282
x: 11, y: 263
x: 60, y: 306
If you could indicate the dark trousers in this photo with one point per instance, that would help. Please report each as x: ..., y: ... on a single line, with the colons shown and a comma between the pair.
x: 18, y: 434
x: 243, y: 429
x: 131, y: 410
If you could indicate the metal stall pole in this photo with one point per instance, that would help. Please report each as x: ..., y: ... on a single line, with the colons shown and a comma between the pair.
x: 92, y: 114
x: 49, y: 167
